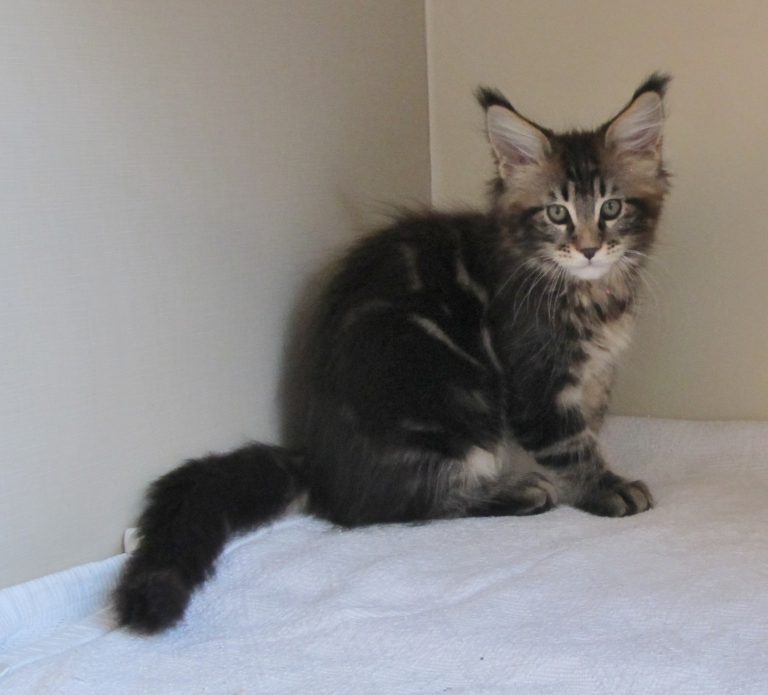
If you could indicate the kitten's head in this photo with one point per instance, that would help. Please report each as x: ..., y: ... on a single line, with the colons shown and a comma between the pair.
x: 582, y: 200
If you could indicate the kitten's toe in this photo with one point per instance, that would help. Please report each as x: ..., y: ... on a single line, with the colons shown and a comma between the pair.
x: 614, y: 496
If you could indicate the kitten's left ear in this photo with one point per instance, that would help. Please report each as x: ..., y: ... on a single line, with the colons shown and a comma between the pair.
x: 638, y: 128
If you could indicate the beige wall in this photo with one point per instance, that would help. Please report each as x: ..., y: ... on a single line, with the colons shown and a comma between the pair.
x: 702, y: 344
x: 171, y: 171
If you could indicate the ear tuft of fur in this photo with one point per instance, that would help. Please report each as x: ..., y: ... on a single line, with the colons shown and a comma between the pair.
x: 490, y: 96
x: 655, y: 82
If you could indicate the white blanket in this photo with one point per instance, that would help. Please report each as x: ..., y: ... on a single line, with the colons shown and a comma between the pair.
x: 673, y: 601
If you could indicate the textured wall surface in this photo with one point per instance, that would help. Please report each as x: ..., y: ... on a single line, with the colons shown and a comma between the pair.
x: 171, y: 172
x: 701, y: 344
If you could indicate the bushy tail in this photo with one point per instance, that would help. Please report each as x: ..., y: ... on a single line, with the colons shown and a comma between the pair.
x: 190, y: 514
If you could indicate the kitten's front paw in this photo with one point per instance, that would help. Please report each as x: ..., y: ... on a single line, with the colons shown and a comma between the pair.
x: 614, y: 496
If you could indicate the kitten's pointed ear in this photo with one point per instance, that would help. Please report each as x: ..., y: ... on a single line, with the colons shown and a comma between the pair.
x: 638, y: 128
x: 515, y: 140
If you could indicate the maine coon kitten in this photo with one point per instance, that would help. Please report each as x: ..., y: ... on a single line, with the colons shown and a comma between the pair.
x: 462, y: 362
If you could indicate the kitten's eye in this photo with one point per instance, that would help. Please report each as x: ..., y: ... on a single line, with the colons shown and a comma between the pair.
x: 610, y: 209
x: 558, y: 214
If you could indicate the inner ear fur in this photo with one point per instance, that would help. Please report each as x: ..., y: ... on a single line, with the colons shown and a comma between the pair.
x: 638, y: 127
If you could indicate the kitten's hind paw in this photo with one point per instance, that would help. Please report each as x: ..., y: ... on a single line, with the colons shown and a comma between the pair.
x: 614, y: 496
x: 149, y: 601
x: 535, y: 494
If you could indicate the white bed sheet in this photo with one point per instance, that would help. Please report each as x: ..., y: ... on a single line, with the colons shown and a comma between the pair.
x: 672, y: 601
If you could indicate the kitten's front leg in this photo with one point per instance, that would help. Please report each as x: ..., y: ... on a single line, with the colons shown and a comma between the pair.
x: 612, y: 495
x: 586, y: 481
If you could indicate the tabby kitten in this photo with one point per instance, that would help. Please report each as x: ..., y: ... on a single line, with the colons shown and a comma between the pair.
x: 462, y: 362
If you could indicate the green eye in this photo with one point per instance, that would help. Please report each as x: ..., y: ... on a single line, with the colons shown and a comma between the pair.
x: 558, y: 214
x: 610, y: 209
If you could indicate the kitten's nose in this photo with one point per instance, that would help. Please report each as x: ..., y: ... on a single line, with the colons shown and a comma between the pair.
x: 590, y: 251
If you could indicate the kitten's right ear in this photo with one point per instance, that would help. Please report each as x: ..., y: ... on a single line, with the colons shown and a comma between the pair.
x: 515, y: 140
x: 637, y: 130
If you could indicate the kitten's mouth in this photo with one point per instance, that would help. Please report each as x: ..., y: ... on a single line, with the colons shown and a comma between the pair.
x: 591, y: 270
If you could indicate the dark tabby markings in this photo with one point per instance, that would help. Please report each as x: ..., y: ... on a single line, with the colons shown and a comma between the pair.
x: 473, y: 400
x: 411, y: 267
x: 566, y: 458
x: 467, y: 283
x: 413, y: 426
x: 434, y: 331
x: 363, y: 310
x: 564, y: 445
x: 490, y: 351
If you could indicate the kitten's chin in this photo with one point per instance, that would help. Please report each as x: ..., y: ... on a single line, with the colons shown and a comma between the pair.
x: 590, y: 272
